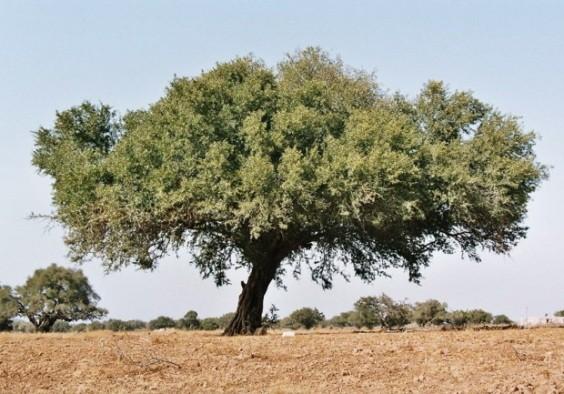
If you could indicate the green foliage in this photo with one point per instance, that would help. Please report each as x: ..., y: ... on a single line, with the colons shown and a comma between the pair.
x: 22, y: 326
x: 343, y: 319
x: 209, y: 324
x: 119, y: 325
x: 501, y: 320
x: 458, y: 318
x: 57, y: 293
x: 479, y: 316
x: 8, y: 308
x: 380, y: 311
x: 303, y: 318
x: 61, y: 326
x: 271, y: 319
x: 161, y: 322
x: 430, y: 312
x: 80, y: 327
x: 97, y: 326
x: 190, y: 321
x: 225, y: 319
x: 559, y: 313
x: 305, y: 164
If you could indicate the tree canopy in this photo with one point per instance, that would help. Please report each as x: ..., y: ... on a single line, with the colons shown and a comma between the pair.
x: 307, y: 164
x: 57, y: 293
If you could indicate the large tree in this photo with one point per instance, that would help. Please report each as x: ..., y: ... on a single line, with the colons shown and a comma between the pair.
x: 57, y: 293
x: 307, y: 164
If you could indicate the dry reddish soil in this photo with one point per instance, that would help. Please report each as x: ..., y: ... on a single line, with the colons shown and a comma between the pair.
x: 339, y: 361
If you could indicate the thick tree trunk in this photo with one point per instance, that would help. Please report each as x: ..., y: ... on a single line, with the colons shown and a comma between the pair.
x: 248, y: 317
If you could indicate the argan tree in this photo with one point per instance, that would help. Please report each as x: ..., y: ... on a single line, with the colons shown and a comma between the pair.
x: 308, y: 164
x: 8, y: 308
x: 429, y: 312
x: 57, y: 293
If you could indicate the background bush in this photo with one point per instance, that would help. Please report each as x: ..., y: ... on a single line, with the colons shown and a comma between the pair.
x: 162, y: 322
x: 210, y: 323
x: 303, y: 318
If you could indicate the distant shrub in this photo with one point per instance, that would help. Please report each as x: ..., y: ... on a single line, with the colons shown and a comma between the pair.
x: 122, y: 325
x: 190, y: 321
x: 479, y: 316
x: 458, y: 318
x: 136, y: 325
x: 303, y: 318
x: 501, y: 319
x: 162, y: 322
x: 96, y: 326
x: 209, y: 323
x: 559, y: 313
x: 22, y: 326
x: 383, y: 310
x: 341, y: 320
x: 80, y: 327
x: 224, y: 320
x: 429, y: 312
x: 61, y: 326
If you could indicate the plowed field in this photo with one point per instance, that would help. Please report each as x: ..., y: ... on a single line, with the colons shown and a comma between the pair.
x: 329, y: 362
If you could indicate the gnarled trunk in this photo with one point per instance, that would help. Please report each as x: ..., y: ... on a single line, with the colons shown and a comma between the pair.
x: 248, y: 317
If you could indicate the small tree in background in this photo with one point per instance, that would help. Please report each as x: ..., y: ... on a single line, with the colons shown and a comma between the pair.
x: 430, y: 312
x: 559, y: 313
x: 304, y: 317
x: 57, y: 293
x: 210, y: 324
x: 383, y: 310
x: 479, y: 316
x: 8, y: 308
x: 190, y: 321
x: 366, y: 313
x: 162, y: 322
x: 501, y: 320
x: 458, y: 318
x: 343, y: 319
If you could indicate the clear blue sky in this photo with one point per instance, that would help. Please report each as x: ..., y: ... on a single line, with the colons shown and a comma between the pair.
x: 55, y: 54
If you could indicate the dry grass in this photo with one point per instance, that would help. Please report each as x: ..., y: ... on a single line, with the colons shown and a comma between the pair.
x: 173, y: 361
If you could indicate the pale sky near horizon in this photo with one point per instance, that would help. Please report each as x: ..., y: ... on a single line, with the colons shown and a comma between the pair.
x: 55, y: 54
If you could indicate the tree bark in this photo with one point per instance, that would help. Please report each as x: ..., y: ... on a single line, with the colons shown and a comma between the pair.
x: 248, y: 317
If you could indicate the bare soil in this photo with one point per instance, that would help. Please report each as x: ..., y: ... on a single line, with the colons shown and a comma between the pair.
x: 332, y: 361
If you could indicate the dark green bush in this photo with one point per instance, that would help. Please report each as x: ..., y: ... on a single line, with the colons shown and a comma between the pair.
x: 303, y: 318
x: 429, y: 312
x: 501, y: 319
x: 190, y: 321
x: 162, y: 322
x: 209, y: 323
